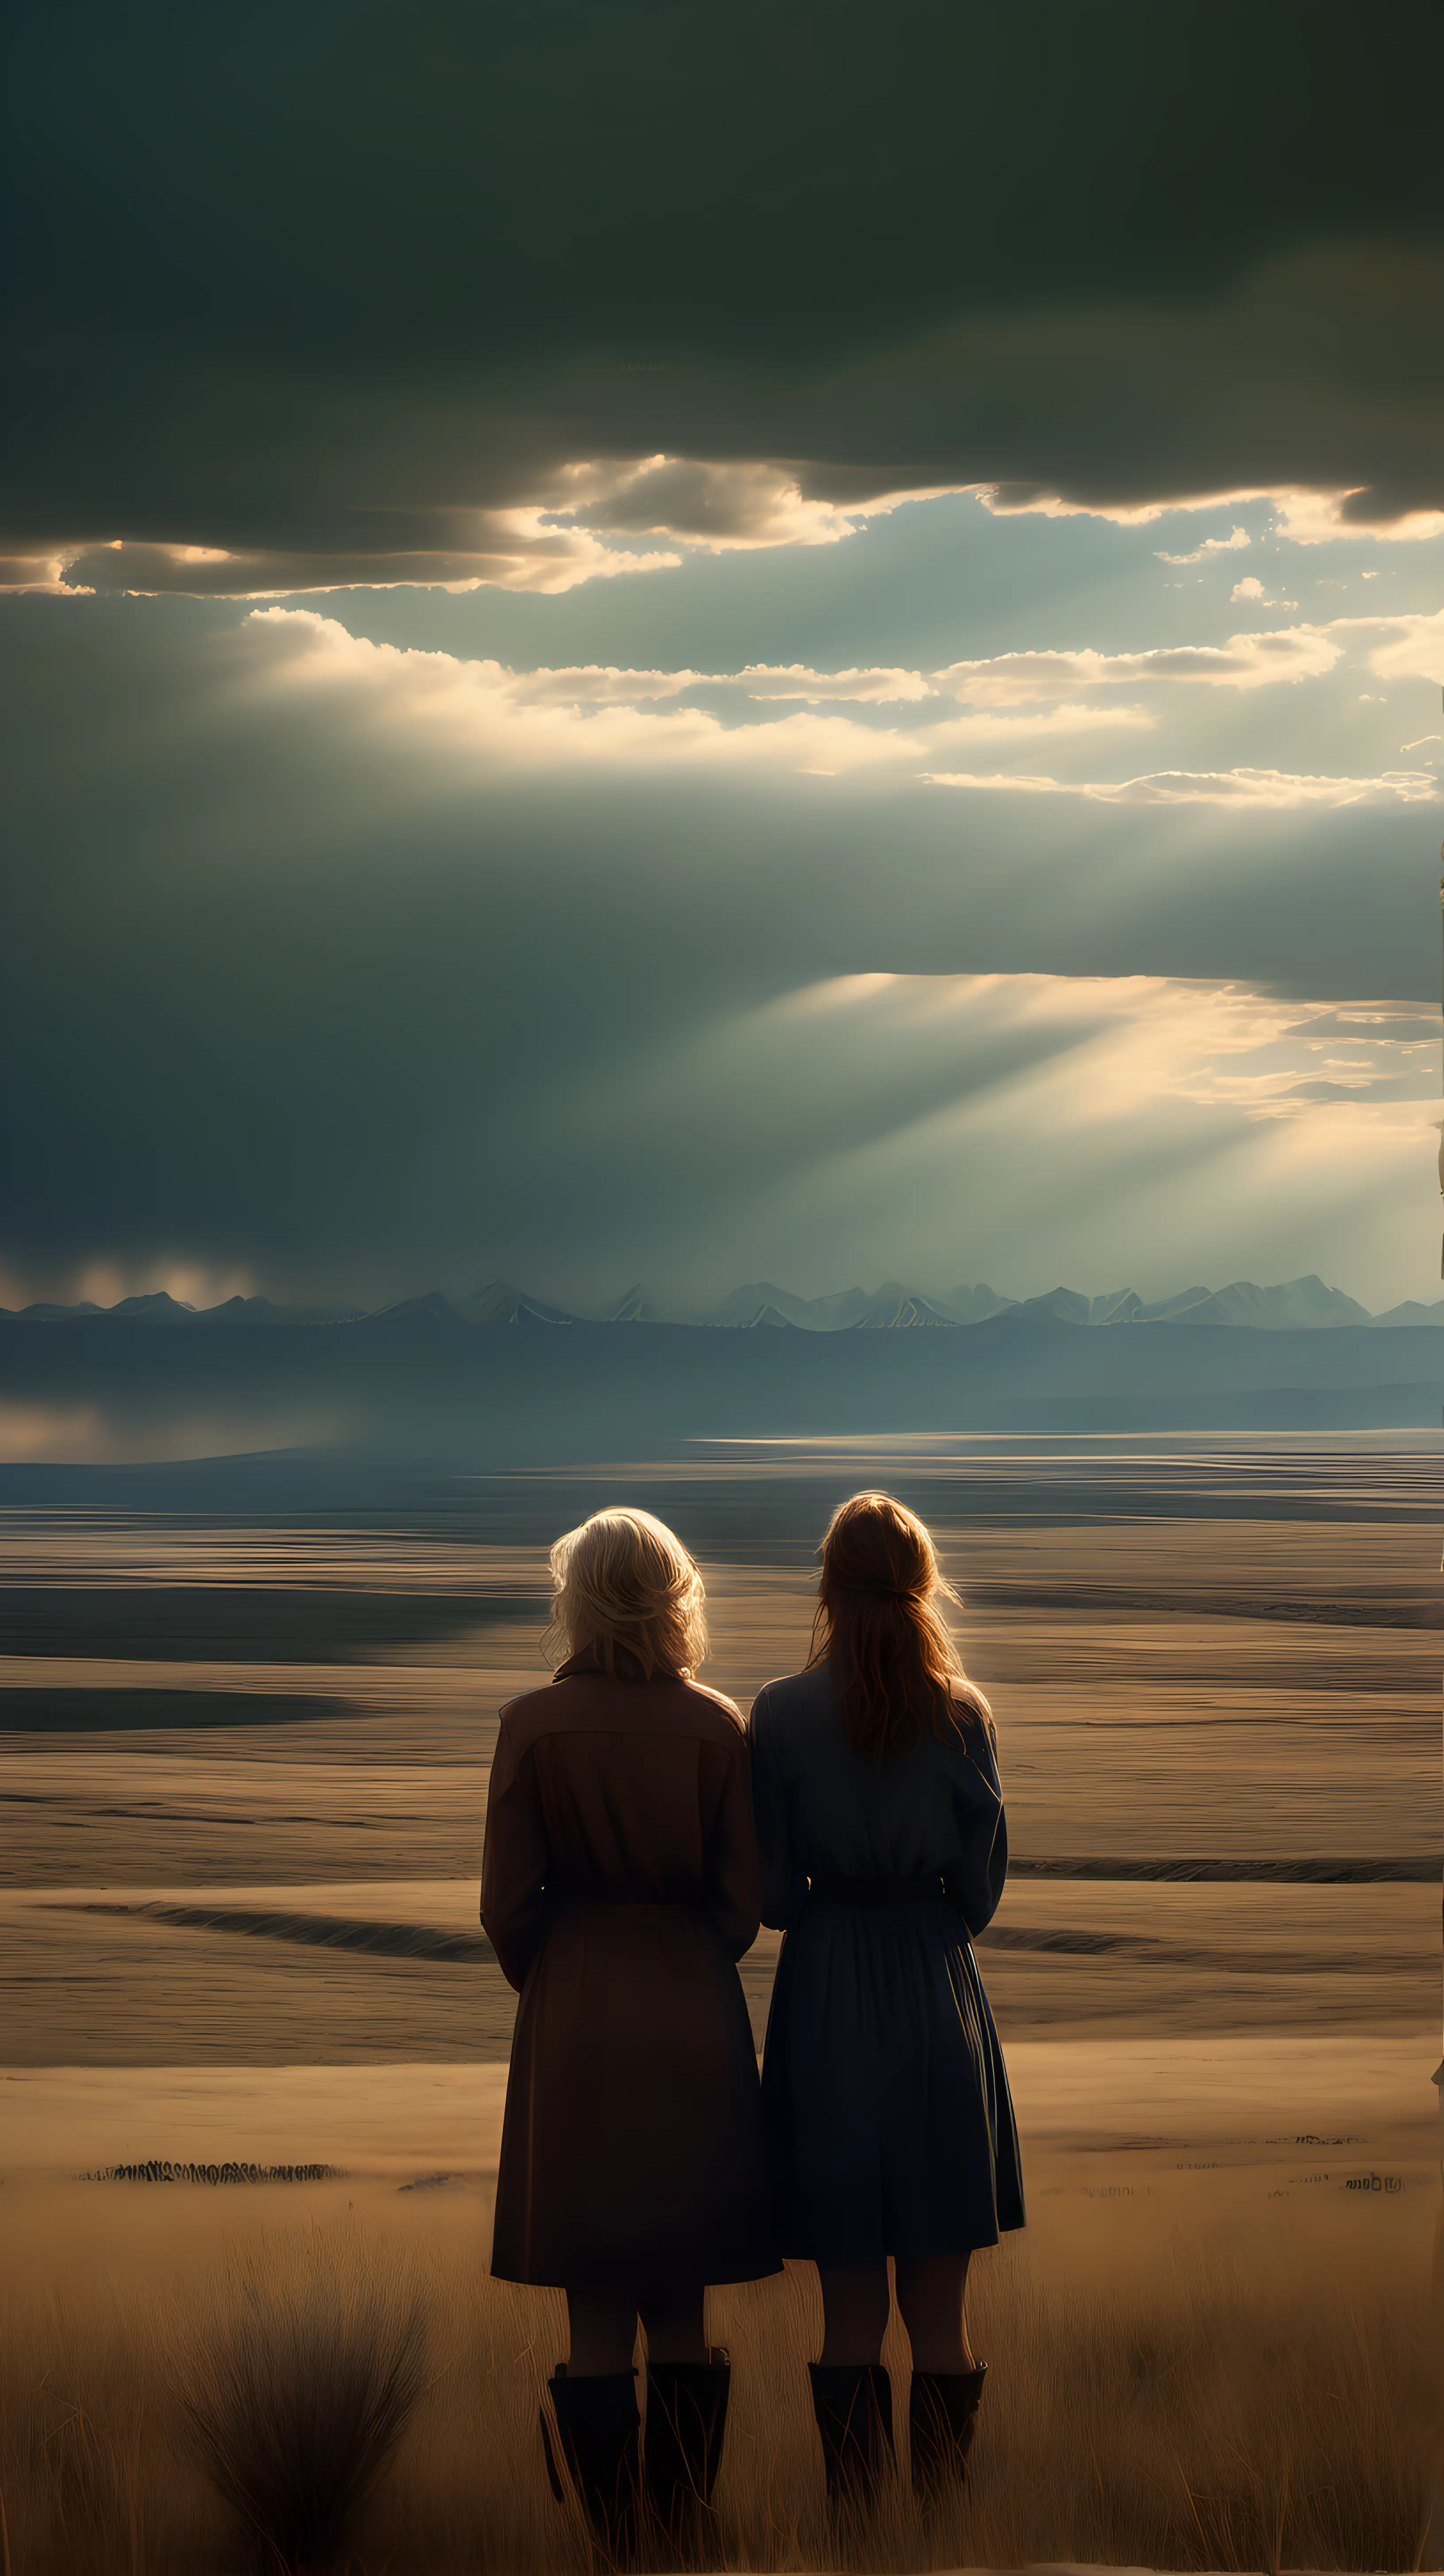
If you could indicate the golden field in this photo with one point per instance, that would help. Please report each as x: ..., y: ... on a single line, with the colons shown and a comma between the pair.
x: 243, y: 1773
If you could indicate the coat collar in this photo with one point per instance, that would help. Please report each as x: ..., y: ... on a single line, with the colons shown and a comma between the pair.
x: 589, y: 1664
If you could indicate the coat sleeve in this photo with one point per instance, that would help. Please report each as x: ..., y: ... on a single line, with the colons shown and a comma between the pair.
x: 784, y: 1885
x: 734, y: 1872
x: 976, y: 1882
x: 514, y: 1911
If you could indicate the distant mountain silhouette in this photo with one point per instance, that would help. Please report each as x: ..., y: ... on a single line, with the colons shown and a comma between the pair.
x: 746, y: 1306
x: 1063, y: 1305
x: 500, y: 1303
x: 1119, y: 1306
x: 423, y: 1382
x: 1174, y: 1310
x: 160, y: 1308
x: 636, y: 1307
x: 260, y: 1311
x: 1298, y: 1303
x: 975, y: 1305
x: 896, y: 1308
x: 41, y: 1313
x: 432, y: 1312
x: 843, y: 1307
x: 1295, y: 1305
x: 1411, y: 1312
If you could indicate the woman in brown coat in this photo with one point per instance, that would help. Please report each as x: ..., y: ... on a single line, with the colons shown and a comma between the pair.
x: 620, y: 1885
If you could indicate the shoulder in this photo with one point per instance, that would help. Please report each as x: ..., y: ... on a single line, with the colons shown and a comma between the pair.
x: 793, y: 1698
x: 974, y: 1748
x: 583, y: 1703
x: 530, y: 1714
x: 971, y: 1715
x: 715, y: 1715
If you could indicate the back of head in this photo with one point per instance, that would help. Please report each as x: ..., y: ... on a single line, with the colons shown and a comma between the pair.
x: 628, y: 1597
x: 880, y: 1626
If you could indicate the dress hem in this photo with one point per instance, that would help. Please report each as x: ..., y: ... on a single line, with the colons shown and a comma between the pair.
x: 851, y: 2254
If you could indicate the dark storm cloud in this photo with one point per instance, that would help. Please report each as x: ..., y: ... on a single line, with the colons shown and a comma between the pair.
x: 348, y: 1001
x: 330, y: 288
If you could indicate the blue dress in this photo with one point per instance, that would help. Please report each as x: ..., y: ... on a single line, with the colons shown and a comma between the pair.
x: 886, y: 2113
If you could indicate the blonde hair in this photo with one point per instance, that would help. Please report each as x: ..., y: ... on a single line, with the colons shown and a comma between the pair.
x: 881, y: 1625
x: 625, y: 1587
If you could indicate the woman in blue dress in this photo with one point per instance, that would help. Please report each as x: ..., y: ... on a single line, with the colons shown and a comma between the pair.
x: 886, y: 2110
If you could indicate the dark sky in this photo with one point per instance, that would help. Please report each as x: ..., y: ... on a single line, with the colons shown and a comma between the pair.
x: 718, y: 641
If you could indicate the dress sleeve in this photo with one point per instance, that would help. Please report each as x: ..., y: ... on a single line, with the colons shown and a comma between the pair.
x: 514, y: 1909
x: 734, y: 1873
x: 784, y: 1884
x: 976, y: 1882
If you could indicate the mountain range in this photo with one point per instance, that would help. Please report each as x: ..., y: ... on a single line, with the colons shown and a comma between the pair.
x: 1295, y: 1305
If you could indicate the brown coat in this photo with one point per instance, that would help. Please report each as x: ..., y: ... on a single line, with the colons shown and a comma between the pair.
x: 620, y: 1885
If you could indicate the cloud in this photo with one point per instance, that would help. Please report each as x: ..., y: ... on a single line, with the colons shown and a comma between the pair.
x: 1262, y: 788
x: 484, y: 712
x: 42, y: 571
x: 1213, y: 546
x: 715, y: 506
x: 1305, y: 516
x: 790, y: 717
x: 1304, y: 379
x: 1322, y: 518
x: 591, y: 717
x: 1409, y: 648
x: 1244, y: 662
x: 506, y: 549
x: 793, y: 680
x: 335, y: 963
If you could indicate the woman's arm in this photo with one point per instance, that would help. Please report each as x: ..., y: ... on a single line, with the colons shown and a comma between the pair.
x: 513, y: 1865
x: 976, y: 1882
x: 734, y: 1873
x: 784, y: 1885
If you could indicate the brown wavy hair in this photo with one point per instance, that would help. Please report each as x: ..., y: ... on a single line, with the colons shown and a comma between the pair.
x: 880, y: 1625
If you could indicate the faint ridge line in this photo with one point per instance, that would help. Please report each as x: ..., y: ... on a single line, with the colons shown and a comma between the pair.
x: 313, y: 1931
x: 1409, y: 1868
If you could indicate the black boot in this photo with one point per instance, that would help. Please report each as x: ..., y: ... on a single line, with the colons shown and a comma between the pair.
x: 600, y: 2430
x: 686, y: 2420
x: 853, y: 2406
x: 942, y: 2415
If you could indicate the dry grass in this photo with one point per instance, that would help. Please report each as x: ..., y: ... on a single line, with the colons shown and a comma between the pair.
x: 1199, y: 2405
x: 295, y: 2384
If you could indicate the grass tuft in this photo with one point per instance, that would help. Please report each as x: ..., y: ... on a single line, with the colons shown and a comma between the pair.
x: 296, y: 2390
x: 167, y: 2169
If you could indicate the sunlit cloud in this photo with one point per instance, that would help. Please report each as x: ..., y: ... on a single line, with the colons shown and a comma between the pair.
x: 1324, y: 518
x: 517, y: 549
x: 868, y: 688
x: 1305, y: 516
x: 1409, y: 648
x: 41, y: 571
x: 1243, y: 662
x: 594, y: 716
x: 572, y: 531
x: 1262, y: 788
x: 714, y: 507
x: 482, y: 707
x: 798, y: 718
x: 1236, y: 538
